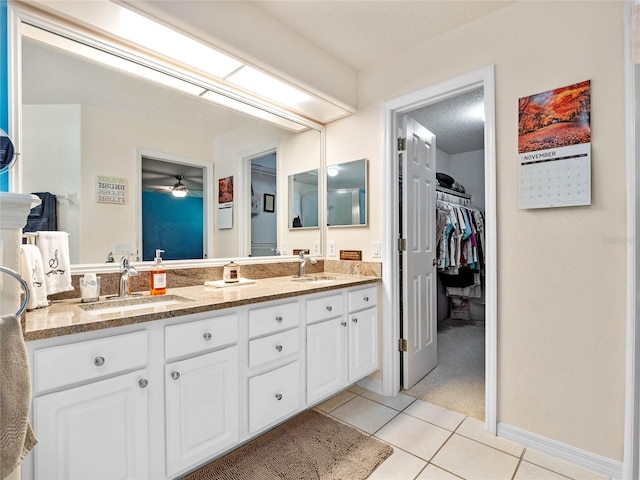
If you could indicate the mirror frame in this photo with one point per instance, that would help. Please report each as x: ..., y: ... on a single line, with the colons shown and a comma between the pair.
x: 19, y: 13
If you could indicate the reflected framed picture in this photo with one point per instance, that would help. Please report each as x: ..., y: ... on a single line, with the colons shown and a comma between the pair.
x: 269, y: 202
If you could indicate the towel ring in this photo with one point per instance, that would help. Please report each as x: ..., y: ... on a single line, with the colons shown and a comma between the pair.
x: 25, y: 287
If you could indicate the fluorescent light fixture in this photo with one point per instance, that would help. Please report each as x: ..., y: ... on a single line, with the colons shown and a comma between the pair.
x: 159, y: 38
x: 332, y: 171
x: 107, y: 59
x: 477, y: 112
x: 252, y: 111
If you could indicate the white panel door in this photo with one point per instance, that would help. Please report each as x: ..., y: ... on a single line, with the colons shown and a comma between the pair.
x: 202, y: 412
x: 97, y: 431
x: 418, y: 261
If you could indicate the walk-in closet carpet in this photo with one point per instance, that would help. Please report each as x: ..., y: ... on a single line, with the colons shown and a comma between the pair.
x: 310, y: 446
x: 457, y: 383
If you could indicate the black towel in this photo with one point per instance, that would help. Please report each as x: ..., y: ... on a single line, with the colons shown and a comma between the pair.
x: 44, y: 216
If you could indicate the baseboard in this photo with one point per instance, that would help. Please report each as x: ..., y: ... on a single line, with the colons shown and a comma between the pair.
x: 591, y: 461
x: 371, y: 384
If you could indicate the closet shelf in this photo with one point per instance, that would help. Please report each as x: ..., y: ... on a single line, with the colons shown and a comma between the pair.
x: 453, y: 192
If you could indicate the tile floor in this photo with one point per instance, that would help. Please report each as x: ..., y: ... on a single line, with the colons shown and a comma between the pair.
x: 433, y: 443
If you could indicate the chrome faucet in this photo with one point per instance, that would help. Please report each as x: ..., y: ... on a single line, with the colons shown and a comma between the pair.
x: 126, y: 271
x: 302, y: 260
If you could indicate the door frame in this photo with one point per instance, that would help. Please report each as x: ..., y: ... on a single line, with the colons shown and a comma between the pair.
x: 392, y: 111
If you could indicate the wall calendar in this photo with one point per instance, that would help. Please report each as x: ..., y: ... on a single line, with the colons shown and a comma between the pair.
x: 554, y: 147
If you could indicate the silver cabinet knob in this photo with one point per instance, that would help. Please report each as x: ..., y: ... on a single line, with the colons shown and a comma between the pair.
x: 329, y: 308
x: 354, y: 320
x: 207, y: 336
x: 366, y: 299
x: 279, y: 319
x: 98, y: 361
x: 175, y: 375
x: 279, y: 348
x: 143, y: 382
x: 344, y: 324
x: 278, y: 396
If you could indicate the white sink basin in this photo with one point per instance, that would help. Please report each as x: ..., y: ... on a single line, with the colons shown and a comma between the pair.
x: 128, y: 304
x: 315, y: 279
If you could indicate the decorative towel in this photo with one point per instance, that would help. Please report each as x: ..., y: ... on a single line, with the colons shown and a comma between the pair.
x: 32, y: 270
x: 54, y: 247
x: 16, y: 435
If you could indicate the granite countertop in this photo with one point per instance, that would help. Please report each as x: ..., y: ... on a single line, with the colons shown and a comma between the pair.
x: 65, y: 317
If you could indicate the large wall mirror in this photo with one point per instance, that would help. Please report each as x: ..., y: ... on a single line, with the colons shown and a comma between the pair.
x: 347, y: 194
x: 88, y: 117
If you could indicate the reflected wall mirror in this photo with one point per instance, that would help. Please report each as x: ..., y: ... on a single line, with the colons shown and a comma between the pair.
x: 347, y: 194
x: 86, y: 114
x: 303, y: 200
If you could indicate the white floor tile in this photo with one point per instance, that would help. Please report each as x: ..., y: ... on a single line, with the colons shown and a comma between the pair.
x: 398, y: 402
x: 559, y: 466
x: 399, y: 466
x: 356, y: 389
x: 475, y: 430
x: 335, y: 401
x: 414, y: 435
x: 470, y: 459
x: 529, y: 471
x: 434, y: 414
x: 364, y: 414
x: 434, y: 473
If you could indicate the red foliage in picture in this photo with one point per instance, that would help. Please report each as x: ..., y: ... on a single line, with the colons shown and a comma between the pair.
x: 556, y: 118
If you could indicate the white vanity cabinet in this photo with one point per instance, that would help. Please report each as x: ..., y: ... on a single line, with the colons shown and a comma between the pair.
x: 274, y: 364
x: 202, y: 391
x: 342, y: 346
x: 161, y: 398
x: 90, y: 409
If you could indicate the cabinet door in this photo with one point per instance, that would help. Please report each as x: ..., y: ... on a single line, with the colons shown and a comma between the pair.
x: 97, y: 431
x: 202, y: 411
x: 363, y: 343
x: 326, y: 358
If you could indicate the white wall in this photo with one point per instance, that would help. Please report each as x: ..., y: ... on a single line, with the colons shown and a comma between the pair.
x: 468, y: 170
x: 561, y: 272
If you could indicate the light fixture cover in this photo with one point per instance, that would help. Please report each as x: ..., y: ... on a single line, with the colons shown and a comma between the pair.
x: 179, y: 190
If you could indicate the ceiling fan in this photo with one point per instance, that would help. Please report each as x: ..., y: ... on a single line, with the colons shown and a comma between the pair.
x: 179, y: 190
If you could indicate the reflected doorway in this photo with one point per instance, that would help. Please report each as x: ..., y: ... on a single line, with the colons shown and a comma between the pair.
x: 173, y: 209
x: 264, y: 212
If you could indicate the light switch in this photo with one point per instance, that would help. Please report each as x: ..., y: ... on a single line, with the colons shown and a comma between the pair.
x: 375, y: 247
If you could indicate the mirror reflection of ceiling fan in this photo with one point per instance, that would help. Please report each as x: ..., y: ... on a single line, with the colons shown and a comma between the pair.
x: 167, y: 177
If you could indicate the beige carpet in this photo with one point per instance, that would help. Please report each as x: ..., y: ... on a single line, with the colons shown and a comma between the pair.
x: 457, y: 383
x: 307, y: 447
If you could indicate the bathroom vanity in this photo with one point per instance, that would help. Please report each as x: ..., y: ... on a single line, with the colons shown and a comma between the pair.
x: 157, y: 390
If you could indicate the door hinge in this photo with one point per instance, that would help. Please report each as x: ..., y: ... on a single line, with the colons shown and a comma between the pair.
x: 402, y: 144
x: 402, y: 344
x: 402, y: 244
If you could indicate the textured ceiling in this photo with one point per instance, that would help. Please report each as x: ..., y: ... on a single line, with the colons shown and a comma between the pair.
x: 455, y: 122
x: 362, y: 33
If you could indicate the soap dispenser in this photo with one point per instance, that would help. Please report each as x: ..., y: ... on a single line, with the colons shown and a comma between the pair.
x: 158, y: 277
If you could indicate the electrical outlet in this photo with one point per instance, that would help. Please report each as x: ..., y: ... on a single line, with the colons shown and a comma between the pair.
x: 375, y: 247
x: 331, y: 247
x: 122, y: 248
x: 316, y: 247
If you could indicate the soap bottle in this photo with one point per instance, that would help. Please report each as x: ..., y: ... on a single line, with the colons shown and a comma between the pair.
x: 158, y: 277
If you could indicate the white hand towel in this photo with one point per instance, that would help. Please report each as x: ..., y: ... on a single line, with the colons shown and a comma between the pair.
x: 32, y: 271
x: 54, y: 247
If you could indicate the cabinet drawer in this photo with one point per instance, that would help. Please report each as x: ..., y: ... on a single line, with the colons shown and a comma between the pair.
x: 273, y: 319
x: 195, y: 337
x: 273, y: 395
x: 85, y: 361
x: 325, y: 307
x: 278, y: 345
x: 363, y: 298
